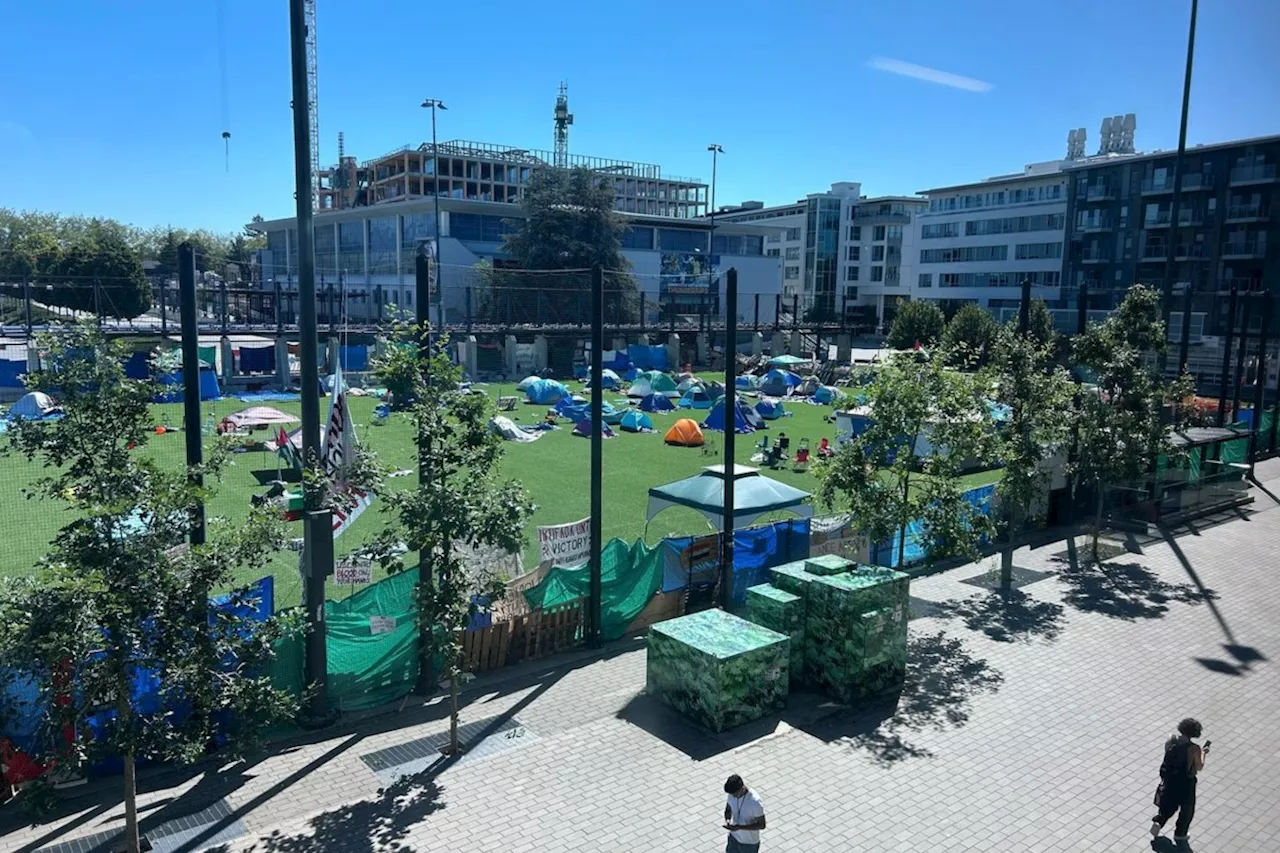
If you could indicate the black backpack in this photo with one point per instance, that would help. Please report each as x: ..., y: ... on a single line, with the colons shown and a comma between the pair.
x: 1174, y: 766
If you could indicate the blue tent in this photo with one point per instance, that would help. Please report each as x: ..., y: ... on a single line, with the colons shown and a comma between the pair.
x: 583, y: 429
x: 714, y: 390
x: 747, y: 382
x: 172, y: 382
x: 695, y: 398
x: 745, y: 418
x: 656, y: 403
x: 824, y: 394
x: 778, y: 383
x: 609, y: 379
x: 770, y: 409
x: 546, y: 392
x: 649, y: 357
x: 636, y: 422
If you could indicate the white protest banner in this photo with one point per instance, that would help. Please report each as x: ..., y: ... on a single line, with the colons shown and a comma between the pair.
x: 382, y: 624
x: 353, y: 573
x: 565, y: 544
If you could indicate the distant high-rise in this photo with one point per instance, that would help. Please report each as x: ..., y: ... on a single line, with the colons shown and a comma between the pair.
x: 1076, y: 142
x: 1117, y: 134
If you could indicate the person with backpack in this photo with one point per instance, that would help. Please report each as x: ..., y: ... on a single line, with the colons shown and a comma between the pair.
x: 1183, y: 760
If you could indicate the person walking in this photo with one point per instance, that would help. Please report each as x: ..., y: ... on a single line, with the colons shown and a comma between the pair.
x: 1183, y: 761
x: 743, y: 817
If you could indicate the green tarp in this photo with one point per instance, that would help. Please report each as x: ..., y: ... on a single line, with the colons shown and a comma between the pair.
x: 630, y: 576
x: 373, y: 644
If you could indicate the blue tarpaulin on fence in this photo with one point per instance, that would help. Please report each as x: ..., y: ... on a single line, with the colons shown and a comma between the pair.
x: 886, y: 553
x: 258, y: 359
x: 138, y: 366
x: 755, y: 551
x: 11, y: 373
x: 649, y: 357
x: 354, y: 357
x: 173, y: 392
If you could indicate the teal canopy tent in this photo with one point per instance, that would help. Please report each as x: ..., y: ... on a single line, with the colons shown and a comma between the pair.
x: 787, y: 361
x: 753, y: 496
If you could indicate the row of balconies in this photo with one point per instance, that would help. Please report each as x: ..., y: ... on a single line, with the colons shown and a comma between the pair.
x: 1243, y: 249
x: 1186, y: 217
x: 1240, y: 176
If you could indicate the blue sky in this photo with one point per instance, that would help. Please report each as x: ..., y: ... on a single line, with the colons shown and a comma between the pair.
x: 117, y: 109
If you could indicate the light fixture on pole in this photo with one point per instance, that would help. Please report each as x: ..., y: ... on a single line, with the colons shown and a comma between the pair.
x: 716, y: 150
x: 434, y: 104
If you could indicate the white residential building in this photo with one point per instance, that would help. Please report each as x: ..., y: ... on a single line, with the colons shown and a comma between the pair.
x: 978, y: 242
x: 878, y: 259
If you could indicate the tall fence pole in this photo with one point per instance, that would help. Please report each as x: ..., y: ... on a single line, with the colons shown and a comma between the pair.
x: 1082, y: 308
x: 1246, y: 315
x: 755, y: 322
x: 191, y: 380
x: 1260, y: 381
x: 26, y: 299
x: 1184, y: 345
x: 730, y: 435
x: 318, y: 523
x: 1226, y: 354
x: 597, y: 457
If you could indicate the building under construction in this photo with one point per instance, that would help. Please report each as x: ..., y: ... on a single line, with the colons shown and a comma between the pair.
x: 482, y: 171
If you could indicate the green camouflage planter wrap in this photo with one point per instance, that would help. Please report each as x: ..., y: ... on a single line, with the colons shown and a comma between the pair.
x: 855, y: 637
x: 793, y: 578
x: 828, y: 564
x: 783, y: 612
x: 717, y: 669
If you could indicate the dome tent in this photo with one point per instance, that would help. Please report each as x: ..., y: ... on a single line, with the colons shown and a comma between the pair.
x: 825, y: 394
x: 695, y: 398
x: 653, y: 382
x: 546, y: 392
x: 715, y: 391
x: 770, y: 409
x: 634, y: 421
x: 656, y: 403
x: 583, y: 429
x: 745, y: 418
x: 690, y: 383
x: 685, y: 433
x: 610, y: 380
x: 523, y: 384
x: 33, y: 406
x: 747, y: 382
x: 778, y: 383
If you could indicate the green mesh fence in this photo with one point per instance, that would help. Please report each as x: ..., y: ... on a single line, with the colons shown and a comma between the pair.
x: 630, y: 576
x: 373, y: 644
x: 1237, y: 450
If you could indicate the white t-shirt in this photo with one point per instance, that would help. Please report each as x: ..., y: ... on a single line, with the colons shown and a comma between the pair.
x: 745, y: 809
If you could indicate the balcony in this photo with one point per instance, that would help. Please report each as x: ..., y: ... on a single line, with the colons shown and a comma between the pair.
x: 1093, y: 226
x: 1151, y: 186
x: 1190, y: 252
x: 1247, y: 213
x: 1244, y: 249
x: 1100, y: 192
x: 1198, y: 181
x: 1185, y: 218
x: 1095, y: 256
x: 1264, y: 174
x: 1242, y: 285
x: 1155, y: 252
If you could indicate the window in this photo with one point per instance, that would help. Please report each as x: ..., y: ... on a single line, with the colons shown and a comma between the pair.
x: 773, y: 253
x: 773, y: 238
x: 851, y: 273
x: 326, y: 247
x: 791, y: 272
x: 877, y: 253
x: 478, y: 227
x: 998, y: 279
x: 853, y: 253
x: 964, y: 254
x: 1014, y: 224
x: 877, y: 273
x: 1037, y: 251
x: 351, y: 247
x: 793, y: 253
x: 894, y: 232
x: 672, y: 240
x: 926, y: 279
x: 793, y: 234
x: 855, y: 232
x: 382, y: 245
x: 877, y: 232
x: 945, y: 229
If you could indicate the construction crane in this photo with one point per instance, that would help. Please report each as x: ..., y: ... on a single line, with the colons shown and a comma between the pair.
x: 309, y: 12
x: 564, y: 118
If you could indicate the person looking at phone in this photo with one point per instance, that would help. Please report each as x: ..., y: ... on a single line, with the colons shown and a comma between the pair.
x: 1183, y: 761
x: 743, y: 817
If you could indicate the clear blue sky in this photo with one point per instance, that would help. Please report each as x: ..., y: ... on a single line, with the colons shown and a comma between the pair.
x: 116, y: 109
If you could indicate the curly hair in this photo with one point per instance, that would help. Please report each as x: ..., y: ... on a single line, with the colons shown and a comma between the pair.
x: 1190, y: 727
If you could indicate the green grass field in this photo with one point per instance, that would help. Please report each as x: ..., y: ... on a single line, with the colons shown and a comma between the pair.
x: 555, y: 470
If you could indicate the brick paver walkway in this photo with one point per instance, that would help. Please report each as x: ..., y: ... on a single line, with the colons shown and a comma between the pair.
x: 1032, y: 723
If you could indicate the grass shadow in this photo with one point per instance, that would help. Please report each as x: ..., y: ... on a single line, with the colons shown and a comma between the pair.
x: 1006, y: 616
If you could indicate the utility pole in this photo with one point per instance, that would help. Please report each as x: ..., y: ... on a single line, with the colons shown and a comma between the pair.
x: 434, y: 104
x: 1166, y: 296
x: 730, y: 435
x: 317, y: 523
x: 597, y: 458
x: 191, y: 426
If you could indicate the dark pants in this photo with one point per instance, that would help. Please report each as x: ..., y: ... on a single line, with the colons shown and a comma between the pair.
x: 736, y: 846
x: 1183, y: 802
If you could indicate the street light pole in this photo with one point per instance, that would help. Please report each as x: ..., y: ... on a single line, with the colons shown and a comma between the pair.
x: 715, y: 150
x: 436, y: 104
x: 1166, y: 290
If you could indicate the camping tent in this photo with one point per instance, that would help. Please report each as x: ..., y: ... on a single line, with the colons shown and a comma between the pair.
x: 689, y: 383
x: 173, y: 390
x: 753, y: 496
x: 583, y: 429
x: 34, y: 405
x: 523, y: 384
x: 825, y: 394
x: 546, y: 392
x: 636, y: 422
x: 257, y: 416
x: 685, y: 433
x: 653, y: 382
x: 770, y: 409
x: 508, y: 429
x: 656, y: 403
x: 747, y: 382
x: 715, y: 390
x: 745, y: 418
x: 695, y: 398
x: 778, y: 383
x: 787, y: 361
x: 808, y: 386
x: 609, y: 379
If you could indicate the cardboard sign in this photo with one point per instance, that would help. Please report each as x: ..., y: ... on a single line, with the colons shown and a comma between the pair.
x: 565, y: 544
x: 382, y: 624
x: 352, y: 573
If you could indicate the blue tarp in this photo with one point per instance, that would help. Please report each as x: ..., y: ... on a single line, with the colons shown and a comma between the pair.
x: 649, y: 357
x: 172, y: 383
x: 269, y: 396
x: 755, y: 551
x: 138, y: 366
x: 11, y: 373
x: 886, y: 553
x: 546, y: 392
x: 355, y: 357
x: 258, y: 359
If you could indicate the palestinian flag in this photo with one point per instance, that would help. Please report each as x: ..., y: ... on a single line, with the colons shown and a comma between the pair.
x: 286, y: 450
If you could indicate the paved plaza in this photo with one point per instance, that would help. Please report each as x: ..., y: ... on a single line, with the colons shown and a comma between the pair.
x: 1029, y: 722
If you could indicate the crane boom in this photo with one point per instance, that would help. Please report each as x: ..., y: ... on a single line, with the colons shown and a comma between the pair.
x: 309, y: 10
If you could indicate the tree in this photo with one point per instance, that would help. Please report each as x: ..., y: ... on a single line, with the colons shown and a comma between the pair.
x: 1037, y: 394
x: 919, y: 322
x: 1041, y: 325
x: 969, y: 336
x: 1119, y: 425
x: 570, y: 224
x: 118, y: 598
x: 928, y: 424
x: 103, y: 275
x: 459, y: 502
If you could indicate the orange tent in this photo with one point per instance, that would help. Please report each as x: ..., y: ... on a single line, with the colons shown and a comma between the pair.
x: 685, y: 433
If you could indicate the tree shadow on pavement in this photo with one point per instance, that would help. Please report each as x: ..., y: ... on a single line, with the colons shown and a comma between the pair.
x: 942, y: 679
x: 380, y: 824
x: 1006, y: 616
x: 1127, y: 591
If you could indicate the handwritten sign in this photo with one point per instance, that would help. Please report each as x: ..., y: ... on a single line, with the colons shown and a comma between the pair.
x: 382, y: 624
x: 353, y: 573
x: 565, y: 544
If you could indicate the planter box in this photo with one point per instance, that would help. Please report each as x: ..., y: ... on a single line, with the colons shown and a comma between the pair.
x: 717, y: 669
x: 783, y: 612
x: 855, y: 635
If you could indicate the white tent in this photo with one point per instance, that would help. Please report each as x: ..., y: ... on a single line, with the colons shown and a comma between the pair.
x: 35, y: 404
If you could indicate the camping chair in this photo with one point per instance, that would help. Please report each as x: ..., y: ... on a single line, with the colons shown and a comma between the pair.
x: 802, y: 456
x: 709, y: 447
x: 507, y: 404
x: 762, y: 449
x: 825, y: 451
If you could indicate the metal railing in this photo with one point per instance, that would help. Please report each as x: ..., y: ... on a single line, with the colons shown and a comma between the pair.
x: 1248, y: 174
x: 1246, y: 248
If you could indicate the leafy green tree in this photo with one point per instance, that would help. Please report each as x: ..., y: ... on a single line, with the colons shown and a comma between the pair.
x: 920, y: 321
x: 1119, y: 414
x: 102, y: 274
x: 119, y: 597
x: 1038, y: 394
x: 459, y: 501
x: 928, y: 424
x: 570, y: 224
x: 969, y: 336
x: 1041, y: 326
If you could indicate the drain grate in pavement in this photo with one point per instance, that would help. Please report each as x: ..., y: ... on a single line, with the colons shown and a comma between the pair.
x: 99, y: 842
x: 482, y: 739
x: 1021, y: 577
x: 195, y: 831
